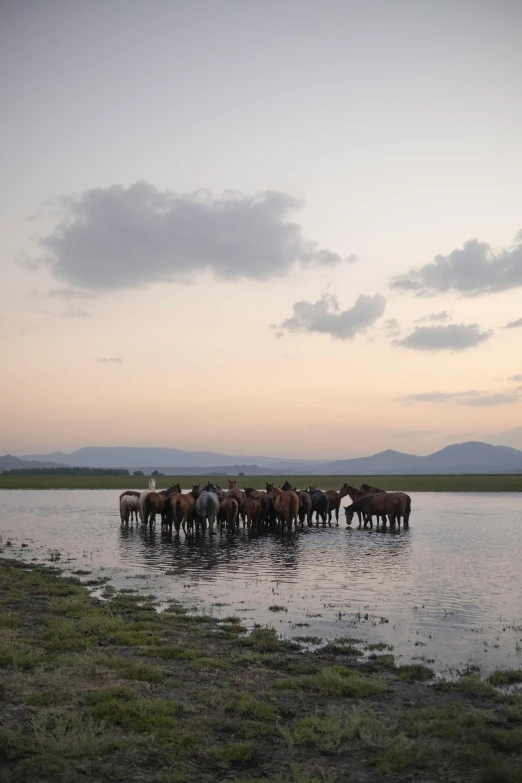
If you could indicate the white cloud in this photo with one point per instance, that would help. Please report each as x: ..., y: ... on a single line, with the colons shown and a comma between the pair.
x: 454, y: 337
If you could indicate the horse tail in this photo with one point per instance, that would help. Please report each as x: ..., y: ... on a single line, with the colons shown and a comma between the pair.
x: 179, y: 513
x: 407, y: 510
x: 121, y: 510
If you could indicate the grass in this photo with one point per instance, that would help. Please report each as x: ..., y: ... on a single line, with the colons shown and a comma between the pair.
x: 86, y: 695
x: 439, y: 483
x: 335, y: 681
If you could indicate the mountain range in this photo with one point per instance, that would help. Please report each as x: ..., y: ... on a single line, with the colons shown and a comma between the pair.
x: 470, y: 457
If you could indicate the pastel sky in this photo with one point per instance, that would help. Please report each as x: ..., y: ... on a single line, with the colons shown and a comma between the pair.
x: 291, y: 228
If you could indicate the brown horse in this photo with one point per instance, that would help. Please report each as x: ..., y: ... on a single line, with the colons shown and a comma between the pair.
x: 180, y: 510
x: 228, y: 513
x: 334, y: 501
x: 251, y: 511
x: 286, y: 507
x: 234, y: 492
x: 405, y: 500
x: 379, y: 505
x: 156, y: 503
x: 130, y: 492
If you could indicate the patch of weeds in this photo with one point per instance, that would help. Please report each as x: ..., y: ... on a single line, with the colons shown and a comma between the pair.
x: 473, y: 685
x: 172, y: 652
x: 141, y: 715
x: 335, y: 681
x: 399, y: 755
x: 81, y: 572
x: 264, y: 640
x: 140, y: 671
x: 379, y: 663
x: 245, y: 705
x: 297, y: 774
x: 235, y: 753
x: 500, y: 773
x: 277, y: 608
x: 49, y: 697
x: 414, y: 671
x: 109, y: 694
x: 208, y: 664
x: 17, y: 656
x: 505, y: 677
x: 379, y: 646
x: 340, y: 647
x: 9, y: 620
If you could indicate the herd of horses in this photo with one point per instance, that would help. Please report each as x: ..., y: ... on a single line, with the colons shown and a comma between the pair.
x: 283, y: 507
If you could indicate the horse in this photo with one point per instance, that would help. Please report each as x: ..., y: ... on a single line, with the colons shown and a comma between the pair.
x: 334, y: 501
x: 405, y: 500
x: 251, y: 510
x: 207, y: 507
x: 228, y: 513
x: 216, y: 489
x: 234, y: 492
x: 305, y: 507
x: 132, y: 492
x: 286, y: 506
x: 156, y: 503
x: 264, y: 499
x: 380, y: 505
x: 320, y: 504
x: 287, y: 487
x: 180, y: 510
x: 129, y: 505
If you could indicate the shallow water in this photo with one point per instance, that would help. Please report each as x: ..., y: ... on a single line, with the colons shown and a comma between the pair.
x: 448, y: 589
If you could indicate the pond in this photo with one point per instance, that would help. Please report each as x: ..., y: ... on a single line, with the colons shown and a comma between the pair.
x: 447, y: 590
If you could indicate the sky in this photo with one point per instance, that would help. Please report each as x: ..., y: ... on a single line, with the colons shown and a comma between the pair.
x: 291, y: 228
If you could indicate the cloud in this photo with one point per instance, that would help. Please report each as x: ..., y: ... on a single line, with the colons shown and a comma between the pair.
x: 111, y: 359
x: 71, y: 313
x: 69, y: 293
x: 472, y: 270
x: 515, y: 377
x: 124, y: 237
x: 324, y: 316
x: 454, y: 337
x: 279, y: 335
x: 513, y: 324
x: 472, y: 397
x: 433, y: 317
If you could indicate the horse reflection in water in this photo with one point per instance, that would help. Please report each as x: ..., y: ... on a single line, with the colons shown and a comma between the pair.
x: 266, y: 554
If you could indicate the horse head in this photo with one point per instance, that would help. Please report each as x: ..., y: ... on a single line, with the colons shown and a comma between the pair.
x: 231, y: 484
x: 269, y: 488
x: 195, y: 492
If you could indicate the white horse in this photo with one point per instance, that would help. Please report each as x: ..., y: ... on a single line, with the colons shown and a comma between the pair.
x: 129, y: 506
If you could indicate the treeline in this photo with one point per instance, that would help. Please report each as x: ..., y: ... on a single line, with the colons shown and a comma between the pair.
x: 66, y: 472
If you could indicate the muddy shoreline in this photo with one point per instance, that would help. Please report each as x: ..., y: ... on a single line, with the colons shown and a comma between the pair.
x: 108, y: 690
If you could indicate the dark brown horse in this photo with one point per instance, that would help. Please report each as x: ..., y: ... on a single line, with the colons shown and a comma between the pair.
x: 320, y: 504
x: 228, y: 513
x: 334, y: 501
x: 405, y: 500
x: 380, y: 505
x: 156, y: 503
x: 286, y: 507
x: 305, y: 507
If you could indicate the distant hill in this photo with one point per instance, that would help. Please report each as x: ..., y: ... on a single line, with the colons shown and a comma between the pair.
x: 137, y: 457
x: 470, y: 457
x: 13, y: 463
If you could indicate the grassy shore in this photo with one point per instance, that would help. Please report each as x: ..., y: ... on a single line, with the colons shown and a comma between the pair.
x: 113, y: 691
x: 449, y: 483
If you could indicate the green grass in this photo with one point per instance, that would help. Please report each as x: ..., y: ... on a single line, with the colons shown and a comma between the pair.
x: 442, y: 483
x: 335, y: 681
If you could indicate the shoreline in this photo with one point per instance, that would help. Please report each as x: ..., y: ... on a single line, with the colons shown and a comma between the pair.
x: 110, y: 689
x: 490, y: 482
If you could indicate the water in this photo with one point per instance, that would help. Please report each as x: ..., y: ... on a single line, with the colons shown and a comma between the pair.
x: 448, y: 590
